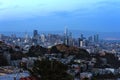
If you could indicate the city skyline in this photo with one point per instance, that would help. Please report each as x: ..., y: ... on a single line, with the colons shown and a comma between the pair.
x: 48, y: 15
x: 59, y: 40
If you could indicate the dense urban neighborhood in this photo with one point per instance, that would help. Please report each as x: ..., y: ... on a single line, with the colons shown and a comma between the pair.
x: 57, y: 57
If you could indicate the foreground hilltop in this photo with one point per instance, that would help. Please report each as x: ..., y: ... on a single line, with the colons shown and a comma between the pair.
x: 60, y: 48
x: 70, y: 50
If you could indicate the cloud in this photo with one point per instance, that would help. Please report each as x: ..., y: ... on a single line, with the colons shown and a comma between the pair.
x: 31, y: 8
x: 19, y: 9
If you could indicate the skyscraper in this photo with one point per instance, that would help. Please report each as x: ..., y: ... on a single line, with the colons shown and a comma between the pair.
x: 35, y: 33
x: 66, y: 38
x: 1, y: 37
x: 96, y: 38
x: 43, y: 38
x: 35, y: 36
x: 82, y: 37
x: 66, y: 30
x: 70, y: 39
x: 80, y: 42
x: 90, y: 38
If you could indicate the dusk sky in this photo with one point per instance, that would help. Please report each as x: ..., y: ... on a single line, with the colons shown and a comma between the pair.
x: 51, y: 15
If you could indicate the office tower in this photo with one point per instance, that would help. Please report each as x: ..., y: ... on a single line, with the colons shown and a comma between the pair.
x: 26, y: 38
x: 66, y: 38
x: 43, y: 38
x: 35, y: 33
x: 70, y: 39
x: 49, y: 38
x: 82, y: 37
x: 35, y: 37
x: 67, y: 41
x: 26, y: 35
x: 90, y: 39
x: 80, y: 42
x: 1, y: 36
x: 13, y: 36
x: 96, y: 38
x: 66, y: 31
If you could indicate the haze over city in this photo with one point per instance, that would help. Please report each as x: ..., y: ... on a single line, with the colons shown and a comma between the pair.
x: 50, y: 15
x: 59, y: 40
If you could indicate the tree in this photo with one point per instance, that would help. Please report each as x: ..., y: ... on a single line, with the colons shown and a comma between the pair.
x: 110, y: 59
x: 35, y: 51
x: 54, y: 50
x: 50, y: 70
x: 3, y: 61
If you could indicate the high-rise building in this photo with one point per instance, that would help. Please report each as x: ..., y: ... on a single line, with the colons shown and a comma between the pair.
x: 35, y: 36
x: 90, y: 39
x: 66, y: 41
x: 66, y: 31
x: 96, y: 38
x: 66, y: 38
x: 35, y: 33
x: 70, y: 39
x: 80, y: 42
x: 82, y: 37
x: 43, y: 38
x: 1, y: 37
